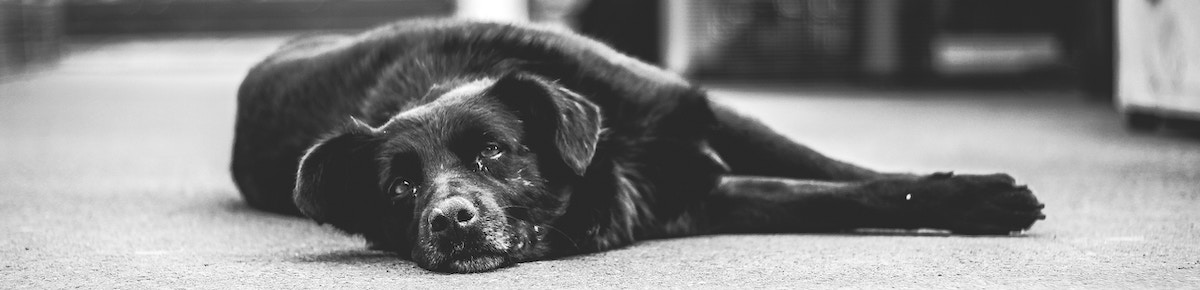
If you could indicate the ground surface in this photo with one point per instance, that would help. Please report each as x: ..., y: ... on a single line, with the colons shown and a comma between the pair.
x: 113, y: 175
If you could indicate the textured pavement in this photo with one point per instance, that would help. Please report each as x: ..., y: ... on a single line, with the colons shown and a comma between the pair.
x: 113, y: 174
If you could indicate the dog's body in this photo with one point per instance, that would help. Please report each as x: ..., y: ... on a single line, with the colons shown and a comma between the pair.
x: 468, y: 146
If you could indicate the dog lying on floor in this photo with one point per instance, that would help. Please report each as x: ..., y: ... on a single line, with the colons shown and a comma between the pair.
x: 468, y: 146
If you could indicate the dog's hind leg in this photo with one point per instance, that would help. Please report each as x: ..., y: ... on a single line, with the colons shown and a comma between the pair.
x: 965, y: 204
x: 749, y: 147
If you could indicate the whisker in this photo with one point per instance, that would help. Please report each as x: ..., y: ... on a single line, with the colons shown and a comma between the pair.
x: 560, y: 232
x: 564, y: 235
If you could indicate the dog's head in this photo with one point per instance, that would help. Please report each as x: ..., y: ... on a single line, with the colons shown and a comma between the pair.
x: 462, y: 183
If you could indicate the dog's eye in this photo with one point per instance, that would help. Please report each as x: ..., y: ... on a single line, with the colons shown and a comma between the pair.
x: 491, y: 150
x: 402, y: 188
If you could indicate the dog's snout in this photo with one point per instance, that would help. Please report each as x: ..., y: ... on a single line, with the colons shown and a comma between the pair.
x: 454, y: 212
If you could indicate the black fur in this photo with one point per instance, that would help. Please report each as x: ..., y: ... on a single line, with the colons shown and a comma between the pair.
x: 468, y: 146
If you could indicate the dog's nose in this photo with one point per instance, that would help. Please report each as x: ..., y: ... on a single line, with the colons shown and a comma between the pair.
x: 457, y: 212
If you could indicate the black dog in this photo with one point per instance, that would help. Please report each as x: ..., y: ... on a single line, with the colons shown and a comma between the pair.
x: 469, y: 146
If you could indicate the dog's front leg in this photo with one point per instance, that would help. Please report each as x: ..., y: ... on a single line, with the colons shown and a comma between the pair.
x: 964, y: 204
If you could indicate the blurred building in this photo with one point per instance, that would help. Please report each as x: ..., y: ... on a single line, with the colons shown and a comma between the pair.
x: 1159, y: 78
x: 92, y: 17
x: 900, y: 41
x: 919, y: 42
x: 935, y: 42
x: 30, y: 34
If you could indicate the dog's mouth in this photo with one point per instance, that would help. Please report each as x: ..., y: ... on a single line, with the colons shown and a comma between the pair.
x: 479, y: 251
x: 478, y: 262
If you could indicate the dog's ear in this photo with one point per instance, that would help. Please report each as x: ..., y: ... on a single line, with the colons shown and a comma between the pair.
x: 337, y: 177
x: 561, y: 118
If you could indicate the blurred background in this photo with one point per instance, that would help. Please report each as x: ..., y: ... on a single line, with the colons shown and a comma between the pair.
x: 1067, y: 44
x: 116, y: 126
x: 1064, y: 43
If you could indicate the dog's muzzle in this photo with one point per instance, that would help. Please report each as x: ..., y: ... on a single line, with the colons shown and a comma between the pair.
x: 464, y: 235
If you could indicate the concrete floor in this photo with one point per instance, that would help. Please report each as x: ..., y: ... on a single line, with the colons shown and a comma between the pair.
x: 113, y: 175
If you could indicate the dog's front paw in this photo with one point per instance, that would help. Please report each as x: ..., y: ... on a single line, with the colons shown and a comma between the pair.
x: 975, y: 204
